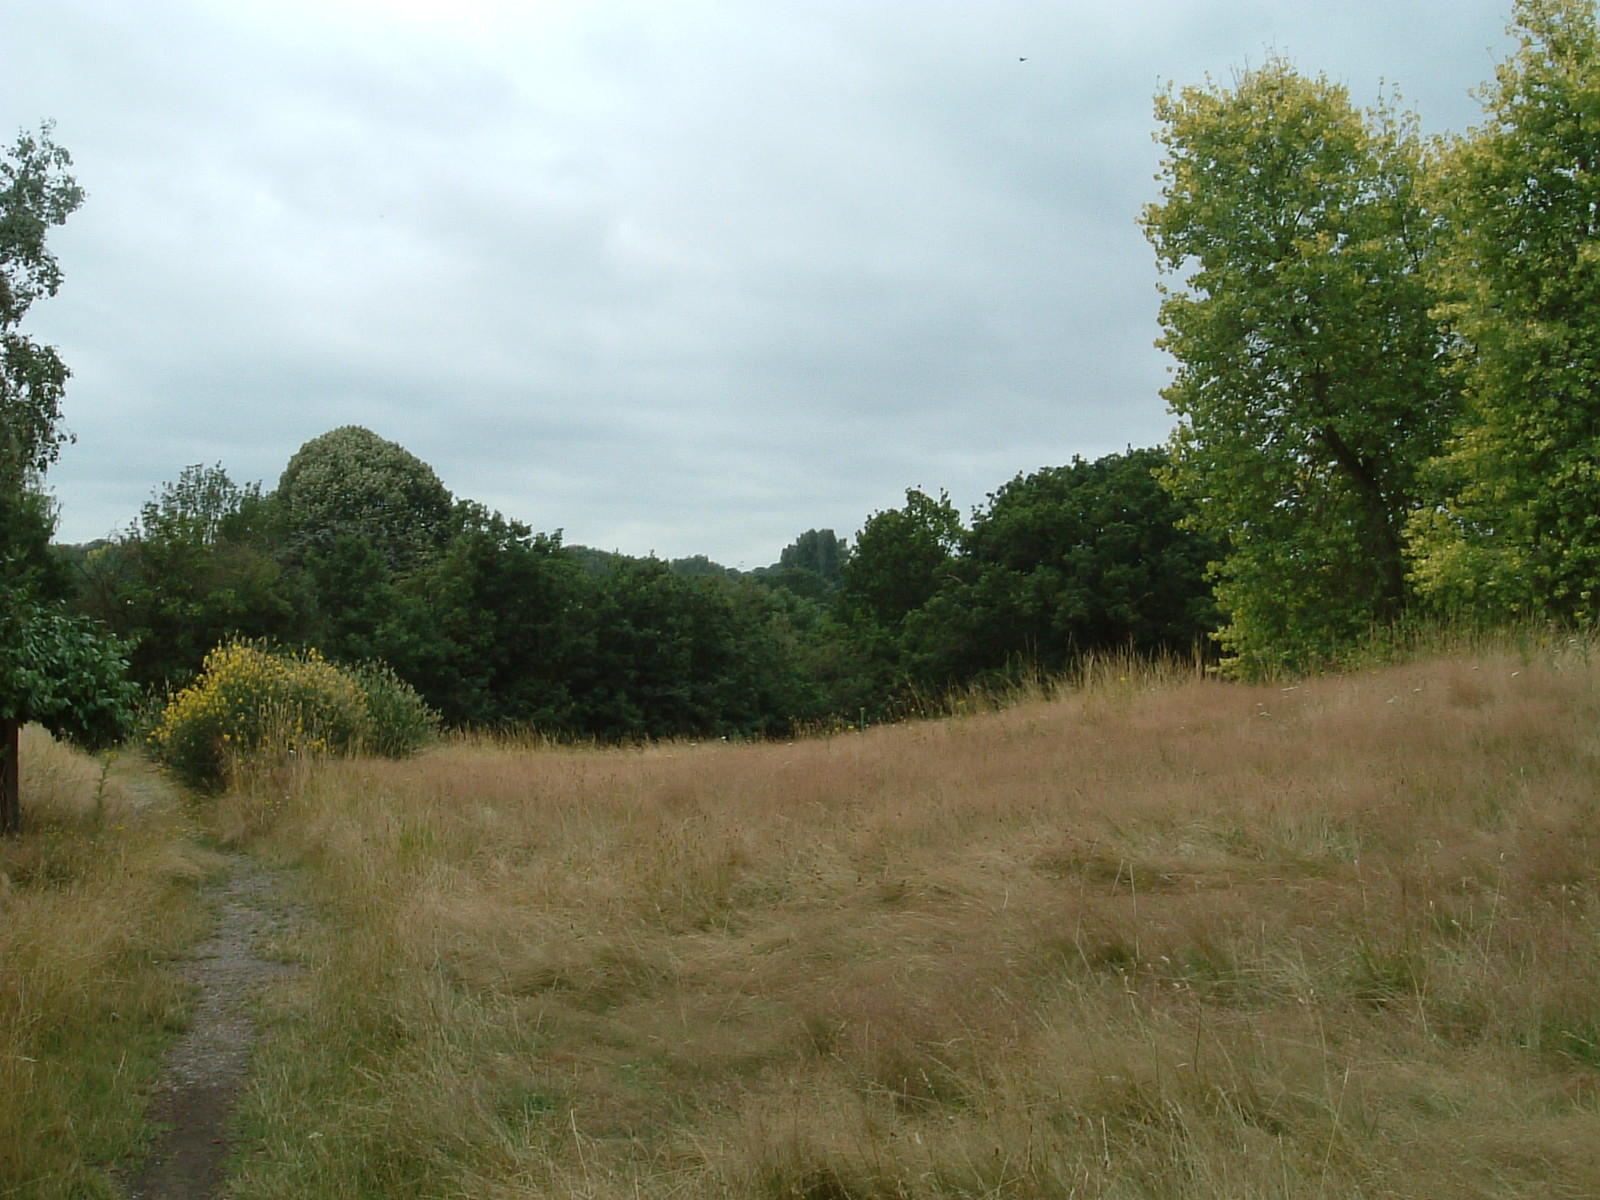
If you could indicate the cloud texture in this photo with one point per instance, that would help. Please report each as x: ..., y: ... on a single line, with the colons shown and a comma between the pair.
x: 683, y: 278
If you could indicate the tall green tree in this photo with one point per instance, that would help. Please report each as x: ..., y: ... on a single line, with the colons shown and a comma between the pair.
x: 358, y: 513
x: 819, y: 551
x: 1517, y: 529
x: 36, y: 193
x: 349, y: 482
x: 54, y: 669
x: 1310, y: 384
x: 1067, y: 561
x: 671, y: 656
x: 810, y: 566
x: 195, y: 570
x: 493, y: 628
x: 902, y: 557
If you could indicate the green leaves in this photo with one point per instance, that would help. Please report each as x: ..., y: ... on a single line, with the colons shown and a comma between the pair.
x: 54, y: 669
x: 36, y: 193
x: 1310, y: 384
x: 900, y: 560
x: 352, y: 483
x: 63, y: 673
x: 1071, y: 560
x: 1515, y: 529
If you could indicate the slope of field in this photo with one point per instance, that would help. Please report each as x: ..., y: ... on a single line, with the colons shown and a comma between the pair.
x: 1190, y: 939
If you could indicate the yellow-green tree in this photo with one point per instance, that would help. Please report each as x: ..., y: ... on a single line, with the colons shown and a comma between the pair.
x: 1517, y: 531
x: 1309, y: 385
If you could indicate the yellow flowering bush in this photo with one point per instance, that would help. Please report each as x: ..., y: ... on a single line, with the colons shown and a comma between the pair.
x: 253, y: 706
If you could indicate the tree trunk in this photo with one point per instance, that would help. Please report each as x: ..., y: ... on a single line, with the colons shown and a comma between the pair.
x: 10, y: 792
x: 1383, y: 543
x: 1380, y: 516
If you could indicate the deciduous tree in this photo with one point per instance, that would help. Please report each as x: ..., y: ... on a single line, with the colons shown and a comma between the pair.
x: 36, y: 194
x: 352, y: 483
x: 1517, y: 530
x: 1310, y: 386
x: 1067, y: 561
x: 901, y: 558
x: 492, y: 629
x: 197, y: 569
x: 54, y: 669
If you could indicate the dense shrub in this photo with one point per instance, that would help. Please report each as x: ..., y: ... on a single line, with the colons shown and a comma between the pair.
x: 399, y: 722
x: 253, y: 705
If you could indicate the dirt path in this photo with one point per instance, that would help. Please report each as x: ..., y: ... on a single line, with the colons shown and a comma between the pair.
x: 200, y: 1084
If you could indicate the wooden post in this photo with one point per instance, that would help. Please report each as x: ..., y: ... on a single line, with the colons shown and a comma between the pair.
x: 10, y: 792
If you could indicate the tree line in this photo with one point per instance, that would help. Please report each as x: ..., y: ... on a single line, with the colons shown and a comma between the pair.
x: 363, y: 553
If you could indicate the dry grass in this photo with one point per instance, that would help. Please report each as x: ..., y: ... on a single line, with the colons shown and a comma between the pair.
x: 1190, y: 940
x: 95, y: 894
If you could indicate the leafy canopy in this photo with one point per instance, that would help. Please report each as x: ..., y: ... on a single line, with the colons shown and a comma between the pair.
x: 901, y: 558
x: 1309, y: 387
x: 36, y: 193
x: 1067, y: 561
x: 351, y: 483
x: 1517, y: 528
x: 54, y: 669
x: 196, y: 570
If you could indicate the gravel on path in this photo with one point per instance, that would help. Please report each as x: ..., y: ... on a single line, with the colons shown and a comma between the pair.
x: 200, y: 1083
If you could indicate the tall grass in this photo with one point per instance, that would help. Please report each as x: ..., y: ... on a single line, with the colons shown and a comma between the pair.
x: 1149, y: 937
x: 96, y: 893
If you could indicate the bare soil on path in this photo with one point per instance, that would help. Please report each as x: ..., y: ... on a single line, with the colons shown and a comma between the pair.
x: 199, y: 1087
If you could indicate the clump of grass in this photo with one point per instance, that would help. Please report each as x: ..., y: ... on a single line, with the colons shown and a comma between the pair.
x: 96, y: 892
x: 1150, y: 935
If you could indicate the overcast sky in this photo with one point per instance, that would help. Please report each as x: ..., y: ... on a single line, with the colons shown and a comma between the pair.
x: 683, y: 278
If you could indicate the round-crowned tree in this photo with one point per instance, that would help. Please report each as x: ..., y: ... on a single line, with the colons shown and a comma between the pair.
x: 351, y: 483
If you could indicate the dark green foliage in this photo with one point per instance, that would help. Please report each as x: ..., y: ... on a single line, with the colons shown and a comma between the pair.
x: 31, y: 566
x: 349, y: 595
x: 595, y: 563
x: 36, y: 193
x: 497, y: 626
x: 810, y: 566
x: 902, y: 558
x: 64, y: 673
x: 196, y: 570
x: 685, y: 656
x: 700, y: 565
x: 55, y: 669
x: 493, y: 629
x: 1066, y: 561
x: 819, y: 551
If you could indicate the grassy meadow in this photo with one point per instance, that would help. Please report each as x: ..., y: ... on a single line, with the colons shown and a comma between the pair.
x: 1155, y: 937
x: 97, y: 895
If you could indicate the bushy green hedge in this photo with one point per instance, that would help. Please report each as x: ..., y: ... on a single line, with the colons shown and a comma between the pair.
x: 254, y: 706
x: 399, y: 723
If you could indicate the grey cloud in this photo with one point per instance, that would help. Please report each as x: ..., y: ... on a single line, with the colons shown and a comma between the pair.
x: 677, y: 278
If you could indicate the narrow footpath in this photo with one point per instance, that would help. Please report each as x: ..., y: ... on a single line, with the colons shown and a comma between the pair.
x: 199, y: 1087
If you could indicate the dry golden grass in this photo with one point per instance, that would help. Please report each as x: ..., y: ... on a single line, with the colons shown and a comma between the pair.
x: 1189, y: 940
x: 95, y: 894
